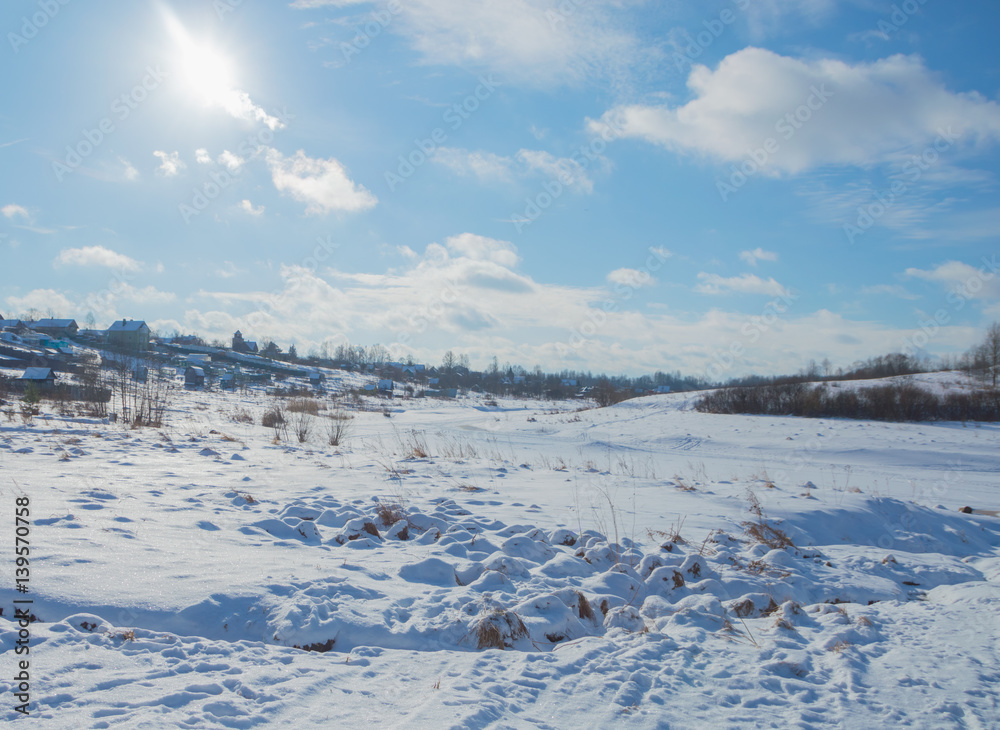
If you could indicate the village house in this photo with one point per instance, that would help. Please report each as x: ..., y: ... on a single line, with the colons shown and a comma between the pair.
x: 57, y: 327
x: 43, y: 378
x: 129, y: 334
x: 194, y: 377
x: 247, y: 347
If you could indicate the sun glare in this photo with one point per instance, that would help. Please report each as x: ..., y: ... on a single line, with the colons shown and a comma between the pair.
x: 201, y: 70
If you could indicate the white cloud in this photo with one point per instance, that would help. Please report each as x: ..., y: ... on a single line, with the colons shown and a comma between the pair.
x: 765, y: 17
x: 239, y: 105
x: 230, y: 271
x: 892, y: 290
x: 129, y: 173
x: 481, y: 248
x: 247, y: 207
x: 307, y: 4
x: 170, y: 162
x: 489, y: 166
x: 633, y: 278
x: 231, y: 161
x: 758, y: 254
x: 322, y: 184
x: 467, y: 295
x: 567, y: 171
x: 43, y: 300
x: 742, y: 284
x: 970, y: 282
x: 540, y: 42
x: 202, y: 157
x: 11, y: 210
x: 96, y: 256
x: 484, y: 165
x: 863, y: 114
x: 146, y: 295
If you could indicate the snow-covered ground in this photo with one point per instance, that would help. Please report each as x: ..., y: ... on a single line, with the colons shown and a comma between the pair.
x: 204, y: 575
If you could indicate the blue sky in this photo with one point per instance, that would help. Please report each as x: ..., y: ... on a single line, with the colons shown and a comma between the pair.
x: 614, y: 185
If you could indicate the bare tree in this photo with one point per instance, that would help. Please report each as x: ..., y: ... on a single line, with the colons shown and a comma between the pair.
x: 991, y: 352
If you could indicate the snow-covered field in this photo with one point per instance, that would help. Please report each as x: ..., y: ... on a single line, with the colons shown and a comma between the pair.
x: 180, y: 575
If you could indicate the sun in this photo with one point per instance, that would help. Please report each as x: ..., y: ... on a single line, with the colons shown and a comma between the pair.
x: 199, y: 68
x: 205, y: 72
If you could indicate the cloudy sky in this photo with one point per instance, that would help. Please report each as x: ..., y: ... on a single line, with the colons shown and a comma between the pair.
x: 715, y: 187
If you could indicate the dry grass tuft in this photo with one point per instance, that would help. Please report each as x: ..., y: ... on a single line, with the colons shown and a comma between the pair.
x: 370, y: 528
x: 668, y: 538
x: 498, y: 628
x: 586, y: 611
x: 682, y: 485
x: 303, y: 405
x: 242, y: 415
x: 126, y: 635
x: 760, y: 530
x: 389, y: 513
x: 417, y: 446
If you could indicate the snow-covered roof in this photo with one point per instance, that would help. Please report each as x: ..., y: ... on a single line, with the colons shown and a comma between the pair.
x: 38, y: 374
x: 55, y: 323
x: 130, y: 325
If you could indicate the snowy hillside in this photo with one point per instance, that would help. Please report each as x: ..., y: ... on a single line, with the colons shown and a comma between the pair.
x: 643, y: 565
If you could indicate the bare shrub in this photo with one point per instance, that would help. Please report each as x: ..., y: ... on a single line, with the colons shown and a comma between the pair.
x: 302, y: 426
x: 899, y: 401
x: 273, y: 417
x: 319, y: 646
x: 339, y: 427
